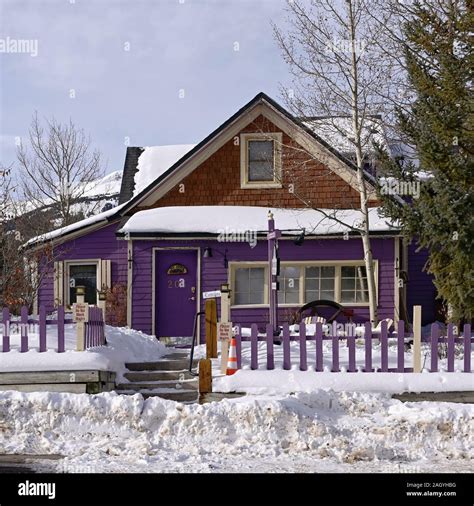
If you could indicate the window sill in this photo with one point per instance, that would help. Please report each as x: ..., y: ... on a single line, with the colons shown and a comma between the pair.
x: 262, y: 185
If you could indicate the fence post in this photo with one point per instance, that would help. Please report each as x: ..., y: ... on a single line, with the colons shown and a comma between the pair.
x: 270, y: 360
x: 467, y: 347
x: 211, y: 328
x: 434, y: 347
x: 205, y: 376
x: 303, y: 353
x: 24, y: 329
x: 286, y: 347
x: 319, y: 347
x: 42, y: 329
x: 416, y: 338
x: 254, y: 347
x: 450, y: 338
x: 401, y: 346
x: 61, y: 346
x: 368, y: 347
x: 384, y: 346
x: 6, y: 330
x: 81, y: 317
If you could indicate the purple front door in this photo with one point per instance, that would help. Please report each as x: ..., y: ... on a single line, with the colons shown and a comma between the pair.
x: 176, y: 292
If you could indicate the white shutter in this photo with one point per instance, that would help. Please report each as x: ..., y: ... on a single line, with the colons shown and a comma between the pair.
x: 105, y: 276
x: 58, y: 283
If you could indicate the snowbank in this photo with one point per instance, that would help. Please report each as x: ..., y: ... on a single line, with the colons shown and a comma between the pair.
x: 307, y: 432
x: 219, y: 219
x: 123, y: 345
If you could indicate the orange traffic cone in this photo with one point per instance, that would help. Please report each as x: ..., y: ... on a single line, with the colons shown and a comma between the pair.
x: 232, y: 361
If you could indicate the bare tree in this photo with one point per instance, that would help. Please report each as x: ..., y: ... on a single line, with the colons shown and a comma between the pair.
x: 57, y: 167
x: 342, y: 79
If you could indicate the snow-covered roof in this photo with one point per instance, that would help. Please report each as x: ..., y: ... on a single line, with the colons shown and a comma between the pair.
x: 154, y: 161
x: 97, y: 218
x: 225, y: 219
x: 337, y: 131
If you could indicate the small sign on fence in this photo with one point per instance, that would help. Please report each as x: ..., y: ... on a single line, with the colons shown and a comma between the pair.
x: 224, y: 331
x: 211, y: 295
x: 80, y: 312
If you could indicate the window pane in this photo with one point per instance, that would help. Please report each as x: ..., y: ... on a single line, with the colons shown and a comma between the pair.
x: 249, y: 285
x: 348, y: 284
x: 312, y: 272
x: 83, y: 275
x: 347, y: 296
x: 260, y: 161
x: 292, y: 298
x: 261, y: 151
x: 312, y: 284
x: 327, y: 272
x: 260, y: 171
x: 311, y: 296
x: 327, y: 284
x: 329, y: 295
x: 241, y: 280
x: 362, y: 296
x: 348, y: 272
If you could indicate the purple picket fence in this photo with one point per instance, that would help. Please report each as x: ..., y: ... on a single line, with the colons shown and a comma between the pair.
x: 24, y: 325
x: 95, y: 328
x: 396, y: 340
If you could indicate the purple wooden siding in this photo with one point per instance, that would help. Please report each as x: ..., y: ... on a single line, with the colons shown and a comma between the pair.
x: 420, y: 288
x: 99, y: 244
x: 213, y: 273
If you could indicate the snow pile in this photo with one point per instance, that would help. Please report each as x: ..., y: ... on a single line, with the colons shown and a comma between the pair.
x: 219, y: 219
x: 123, y: 345
x: 306, y: 432
x: 156, y: 160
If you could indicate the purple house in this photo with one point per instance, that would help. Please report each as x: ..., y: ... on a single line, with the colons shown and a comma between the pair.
x: 194, y: 217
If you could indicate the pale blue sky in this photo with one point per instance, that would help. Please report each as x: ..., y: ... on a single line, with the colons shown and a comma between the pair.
x: 173, y: 45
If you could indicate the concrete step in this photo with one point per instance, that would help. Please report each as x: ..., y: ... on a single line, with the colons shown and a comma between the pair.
x: 144, y: 376
x: 179, y: 395
x: 178, y: 386
x: 162, y: 365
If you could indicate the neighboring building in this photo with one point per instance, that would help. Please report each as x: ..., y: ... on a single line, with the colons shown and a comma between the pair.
x: 194, y: 217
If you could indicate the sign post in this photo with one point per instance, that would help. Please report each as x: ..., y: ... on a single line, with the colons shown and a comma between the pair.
x: 224, y: 330
x: 273, y: 273
x: 81, y: 317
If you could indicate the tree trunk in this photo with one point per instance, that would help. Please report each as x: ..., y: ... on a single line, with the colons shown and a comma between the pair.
x: 356, y: 126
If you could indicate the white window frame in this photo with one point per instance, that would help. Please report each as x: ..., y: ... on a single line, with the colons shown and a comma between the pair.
x: 69, y: 263
x: 277, y: 138
x: 337, y: 264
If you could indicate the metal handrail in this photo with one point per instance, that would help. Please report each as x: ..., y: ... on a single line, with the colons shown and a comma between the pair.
x: 198, y: 315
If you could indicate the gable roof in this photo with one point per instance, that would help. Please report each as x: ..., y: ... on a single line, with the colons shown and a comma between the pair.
x: 260, y: 99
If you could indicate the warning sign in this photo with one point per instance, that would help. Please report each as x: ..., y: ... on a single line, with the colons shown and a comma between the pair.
x: 81, y: 311
x: 224, y: 331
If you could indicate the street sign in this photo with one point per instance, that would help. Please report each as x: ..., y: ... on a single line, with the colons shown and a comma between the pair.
x: 211, y: 295
x: 224, y: 331
x: 81, y: 312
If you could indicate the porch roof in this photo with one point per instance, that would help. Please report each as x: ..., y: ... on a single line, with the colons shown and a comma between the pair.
x: 215, y: 220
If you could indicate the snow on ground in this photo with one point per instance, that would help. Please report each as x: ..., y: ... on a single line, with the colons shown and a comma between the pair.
x: 123, y: 345
x: 321, y: 431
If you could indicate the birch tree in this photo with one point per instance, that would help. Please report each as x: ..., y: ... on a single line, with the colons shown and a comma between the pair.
x: 333, y: 51
x: 57, y: 166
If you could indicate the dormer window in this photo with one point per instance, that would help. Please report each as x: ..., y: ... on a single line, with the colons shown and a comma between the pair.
x: 260, y: 160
